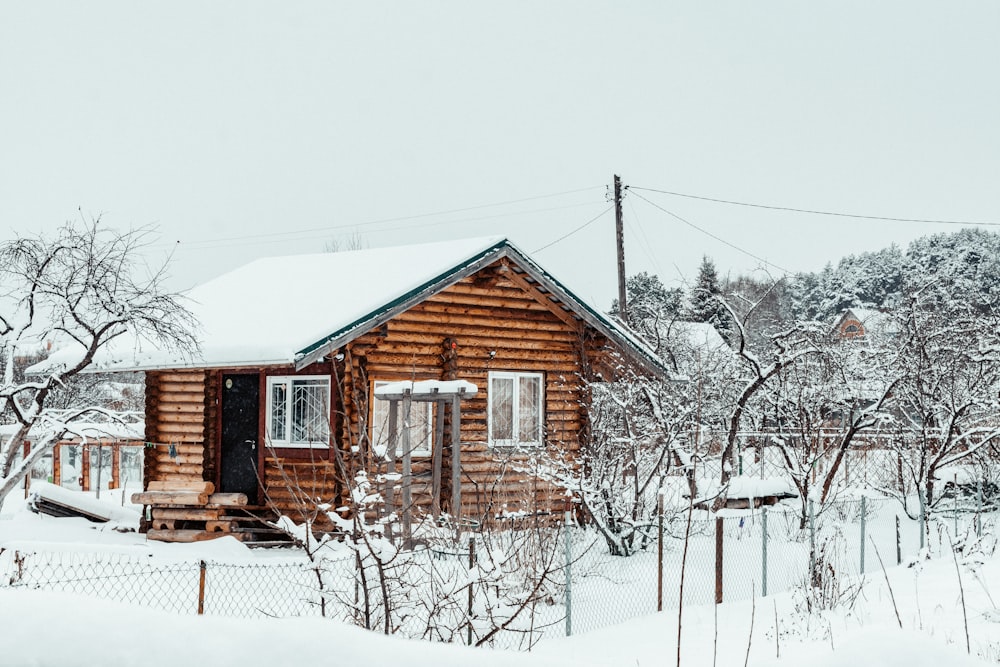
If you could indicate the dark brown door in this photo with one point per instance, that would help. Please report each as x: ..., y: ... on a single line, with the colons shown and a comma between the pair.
x: 240, y: 425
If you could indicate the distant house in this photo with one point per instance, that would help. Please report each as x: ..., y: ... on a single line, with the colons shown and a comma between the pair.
x: 861, y: 323
x: 281, y: 403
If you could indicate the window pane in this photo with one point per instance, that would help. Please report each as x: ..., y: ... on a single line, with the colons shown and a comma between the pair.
x: 279, y: 409
x: 380, y: 423
x: 310, y: 411
x: 421, y: 425
x: 502, y: 408
x: 528, y: 409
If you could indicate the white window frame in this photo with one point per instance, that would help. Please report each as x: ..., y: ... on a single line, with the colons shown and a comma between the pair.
x: 420, y: 446
x: 291, y: 381
x: 515, y: 441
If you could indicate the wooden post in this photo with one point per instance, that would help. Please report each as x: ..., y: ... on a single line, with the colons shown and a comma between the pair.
x: 390, y: 472
x: 201, y: 589
x: 84, y: 467
x: 116, y: 470
x: 436, y: 457
x: 456, y: 462
x: 620, y: 243
x: 719, y: 526
x: 57, y: 464
x: 407, y: 472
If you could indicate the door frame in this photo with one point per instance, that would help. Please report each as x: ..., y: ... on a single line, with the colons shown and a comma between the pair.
x: 217, y: 440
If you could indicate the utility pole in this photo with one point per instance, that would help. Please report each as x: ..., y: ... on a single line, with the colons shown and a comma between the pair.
x: 620, y: 234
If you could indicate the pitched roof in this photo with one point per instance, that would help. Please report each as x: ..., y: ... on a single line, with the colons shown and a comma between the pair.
x: 296, y: 309
x: 874, y: 322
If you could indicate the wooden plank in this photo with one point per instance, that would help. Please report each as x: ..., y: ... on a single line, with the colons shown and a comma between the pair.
x: 182, y: 535
x: 196, y: 487
x: 169, y: 498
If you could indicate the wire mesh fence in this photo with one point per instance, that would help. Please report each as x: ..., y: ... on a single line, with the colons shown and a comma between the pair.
x: 514, y: 588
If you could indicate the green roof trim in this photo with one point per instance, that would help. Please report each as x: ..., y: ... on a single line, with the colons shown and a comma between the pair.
x: 601, y: 322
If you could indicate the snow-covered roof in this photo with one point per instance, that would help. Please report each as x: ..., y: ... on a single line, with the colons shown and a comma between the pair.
x: 295, y: 309
x: 699, y: 335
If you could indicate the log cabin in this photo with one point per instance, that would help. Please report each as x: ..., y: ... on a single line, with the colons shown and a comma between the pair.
x: 279, y: 409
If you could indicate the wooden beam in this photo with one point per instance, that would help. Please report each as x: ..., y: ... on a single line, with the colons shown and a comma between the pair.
x: 169, y: 498
x: 456, y: 464
x: 436, y: 456
x: 196, y: 487
x: 390, y: 457
x: 407, y: 475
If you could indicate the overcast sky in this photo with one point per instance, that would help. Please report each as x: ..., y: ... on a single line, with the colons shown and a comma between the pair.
x: 243, y: 129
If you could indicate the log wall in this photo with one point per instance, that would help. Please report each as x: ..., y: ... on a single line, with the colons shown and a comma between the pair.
x: 179, y: 414
x: 498, y: 323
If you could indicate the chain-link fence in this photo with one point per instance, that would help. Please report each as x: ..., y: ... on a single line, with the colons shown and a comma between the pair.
x: 514, y: 588
x: 764, y: 551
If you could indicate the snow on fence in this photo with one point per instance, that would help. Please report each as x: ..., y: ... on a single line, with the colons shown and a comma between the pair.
x: 569, y: 585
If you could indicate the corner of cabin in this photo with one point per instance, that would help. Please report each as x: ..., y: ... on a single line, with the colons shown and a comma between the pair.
x: 179, y: 421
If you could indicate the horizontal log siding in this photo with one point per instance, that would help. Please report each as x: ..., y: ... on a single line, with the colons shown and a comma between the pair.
x: 292, y: 487
x: 178, y: 414
x: 483, y: 316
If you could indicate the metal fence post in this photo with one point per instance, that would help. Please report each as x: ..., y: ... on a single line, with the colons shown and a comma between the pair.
x: 923, y: 516
x: 201, y: 588
x: 472, y: 564
x: 864, y: 516
x: 569, y: 576
x: 979, y: 508
x: 812, y: 544
x: 954, y: 506
x: 763, y: 547
x: 899, y: 544
x: 659, y: 552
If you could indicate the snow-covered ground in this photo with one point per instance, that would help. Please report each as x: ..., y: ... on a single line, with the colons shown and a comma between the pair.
x: 45, y: 628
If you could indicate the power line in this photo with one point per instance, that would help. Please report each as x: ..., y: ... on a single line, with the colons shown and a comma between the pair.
x: 581, y: 227
x: 644, y: 244
x: 836, y: 214
x: 710, y: 234
x: 317, y: 230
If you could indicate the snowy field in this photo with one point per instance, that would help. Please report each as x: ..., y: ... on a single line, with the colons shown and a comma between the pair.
x: 928, y: 598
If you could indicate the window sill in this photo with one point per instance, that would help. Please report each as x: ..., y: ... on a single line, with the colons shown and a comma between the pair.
x: 516, y: 445
x: 297, y: 445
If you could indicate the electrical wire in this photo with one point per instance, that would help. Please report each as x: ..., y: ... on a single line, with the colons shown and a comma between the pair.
x: 580, y: 228
x: 815, y: 211
x: 369, y: 223
x: 710, y: 234
x: 644, y: 244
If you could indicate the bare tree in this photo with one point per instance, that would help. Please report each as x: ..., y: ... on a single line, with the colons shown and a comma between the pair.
x: 819, y: 407
x: 82, y: 288
x: 788, y: 348
x: 638, y: 432
x: 946, y: 406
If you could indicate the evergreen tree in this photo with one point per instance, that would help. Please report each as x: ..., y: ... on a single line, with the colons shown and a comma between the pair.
x: 703, y: 300
x: 649, y: 304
